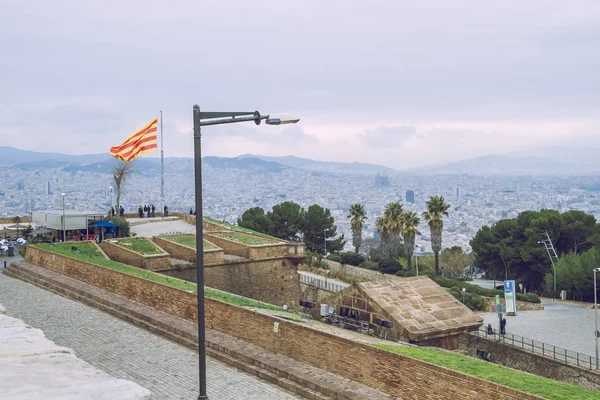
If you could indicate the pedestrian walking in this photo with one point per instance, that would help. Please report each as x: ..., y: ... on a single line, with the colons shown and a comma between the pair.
x: 153, y: 209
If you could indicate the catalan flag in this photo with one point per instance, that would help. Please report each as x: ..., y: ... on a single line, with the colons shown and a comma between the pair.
x: 138, y: 143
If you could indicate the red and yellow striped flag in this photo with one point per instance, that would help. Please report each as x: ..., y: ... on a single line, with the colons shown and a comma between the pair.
x: 138, y: 143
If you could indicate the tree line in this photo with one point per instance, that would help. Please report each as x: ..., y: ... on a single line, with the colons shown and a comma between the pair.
x: 514, y: 249
x: 398, y: 228
x: 316, y: 227
x: 289, y: 221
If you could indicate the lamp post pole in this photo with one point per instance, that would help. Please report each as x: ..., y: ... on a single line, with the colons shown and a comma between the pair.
x: 417, y: 261
x: 325, y: 241
x: 199, y: 254
x: 596, y: 333
x: 111, y: 200
x: 203, y: 119
x: 63, y: 218
x: 553, y: 268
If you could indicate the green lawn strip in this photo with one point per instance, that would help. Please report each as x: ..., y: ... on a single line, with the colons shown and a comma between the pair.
x: 240, y: 229
x: 88, y: 252
x: 243, y: 238
x: 518, y: 380
x: 188, y: 241
x: 139, y: 245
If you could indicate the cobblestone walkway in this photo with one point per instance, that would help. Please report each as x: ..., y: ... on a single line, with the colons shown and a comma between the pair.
x: 168, y: 370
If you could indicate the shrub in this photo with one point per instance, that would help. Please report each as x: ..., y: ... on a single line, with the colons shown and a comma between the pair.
x: 389, y: 266
x: 530, y: 297
x: 406, y: 274
x: 334, y: 257
x: 352, y: 258
x: 122, y: 222
x: 474, y: 301
x: 369, y: 265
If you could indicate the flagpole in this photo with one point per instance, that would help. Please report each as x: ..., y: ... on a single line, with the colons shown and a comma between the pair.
x: 162, y: 167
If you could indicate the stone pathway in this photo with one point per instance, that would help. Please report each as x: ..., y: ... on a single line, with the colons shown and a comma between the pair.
x: 168, y: 370
x: 159, y: 227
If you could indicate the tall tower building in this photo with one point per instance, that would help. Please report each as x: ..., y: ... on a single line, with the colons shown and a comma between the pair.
x: 410, y: 196
x: 456, y: 193
x: 48, y: 191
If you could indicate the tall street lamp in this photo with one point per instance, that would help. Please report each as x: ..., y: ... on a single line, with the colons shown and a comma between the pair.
x: 325, y: 241
x: 417, y: 261
x: 596, y: 333
x: 63, y: 217
x: 203, y: 119
x: 553, y: 268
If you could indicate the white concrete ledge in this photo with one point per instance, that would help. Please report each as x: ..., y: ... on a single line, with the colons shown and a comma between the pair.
x: 34, y: 367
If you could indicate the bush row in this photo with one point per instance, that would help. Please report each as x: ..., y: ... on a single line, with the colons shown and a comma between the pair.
x: 451, y: 282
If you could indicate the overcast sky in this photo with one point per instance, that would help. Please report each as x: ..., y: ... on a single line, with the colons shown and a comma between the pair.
x: 400, y: 83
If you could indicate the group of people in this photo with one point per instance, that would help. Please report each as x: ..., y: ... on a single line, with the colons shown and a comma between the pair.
x: 111, y: 213
x: 146, y: 211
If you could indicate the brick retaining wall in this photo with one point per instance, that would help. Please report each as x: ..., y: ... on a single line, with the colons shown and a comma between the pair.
x: 152, y: 262
x: 392, y: 373
x: 181, y: 252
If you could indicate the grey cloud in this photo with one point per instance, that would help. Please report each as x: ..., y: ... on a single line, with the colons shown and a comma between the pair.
x: 388, y: 136
x: 420, y: 61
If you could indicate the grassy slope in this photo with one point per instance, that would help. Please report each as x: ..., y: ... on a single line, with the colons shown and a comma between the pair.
x: 89, y: 253
x: 139, y: 245
x: 240, y: 229
x: 522, y: 381
x: 243, y: 238
x: 188, y: 240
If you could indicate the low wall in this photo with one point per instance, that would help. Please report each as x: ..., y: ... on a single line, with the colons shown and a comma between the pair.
x: 229, y: 246
x: 392, y: 373
x: 153, y: 262
x: 490, y: 303
x: 273, y: 281
x: 522, y: 360
x: 181, y: 252
x: 352, y: 270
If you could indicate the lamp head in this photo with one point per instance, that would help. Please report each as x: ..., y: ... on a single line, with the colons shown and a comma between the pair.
x: 63, y: 194
x: 282, y: 120
x: 596, y: 269
x: 540, y: 242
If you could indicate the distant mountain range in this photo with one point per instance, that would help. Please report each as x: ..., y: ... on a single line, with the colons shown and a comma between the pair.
x: 324, y: 166
x: 102, y: 163
x: 544, y: 161
x: 536, y: 161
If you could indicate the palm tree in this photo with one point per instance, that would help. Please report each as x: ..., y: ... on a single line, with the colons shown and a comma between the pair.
x: 390, y: 226
x: 358, y: 218
x: 410, y: 221
x: 437, y: 209
x: 393, y: 212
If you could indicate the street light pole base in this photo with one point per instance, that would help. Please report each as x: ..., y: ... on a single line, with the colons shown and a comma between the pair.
x: 200, y: 397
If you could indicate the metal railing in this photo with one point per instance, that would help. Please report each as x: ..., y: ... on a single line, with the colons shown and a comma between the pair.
x: 322, y: 283
x: 536, y: 347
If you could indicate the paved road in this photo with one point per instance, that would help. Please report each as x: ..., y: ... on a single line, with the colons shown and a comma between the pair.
x: 558, y: 324
x: 168, y: 370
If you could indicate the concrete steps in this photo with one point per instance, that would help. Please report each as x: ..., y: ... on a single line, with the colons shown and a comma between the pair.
x: 302, y: 379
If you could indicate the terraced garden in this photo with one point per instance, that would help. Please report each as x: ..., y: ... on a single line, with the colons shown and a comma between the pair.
x: 188, y: 241
x: 88, y: 252
x: 244, y: 238
x: 142, y: 246
x: 237, y: 228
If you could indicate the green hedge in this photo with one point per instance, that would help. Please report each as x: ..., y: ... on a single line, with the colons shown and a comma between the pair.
x: 451, y: 282
x: 372, y: 265
x: 334, y: 257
